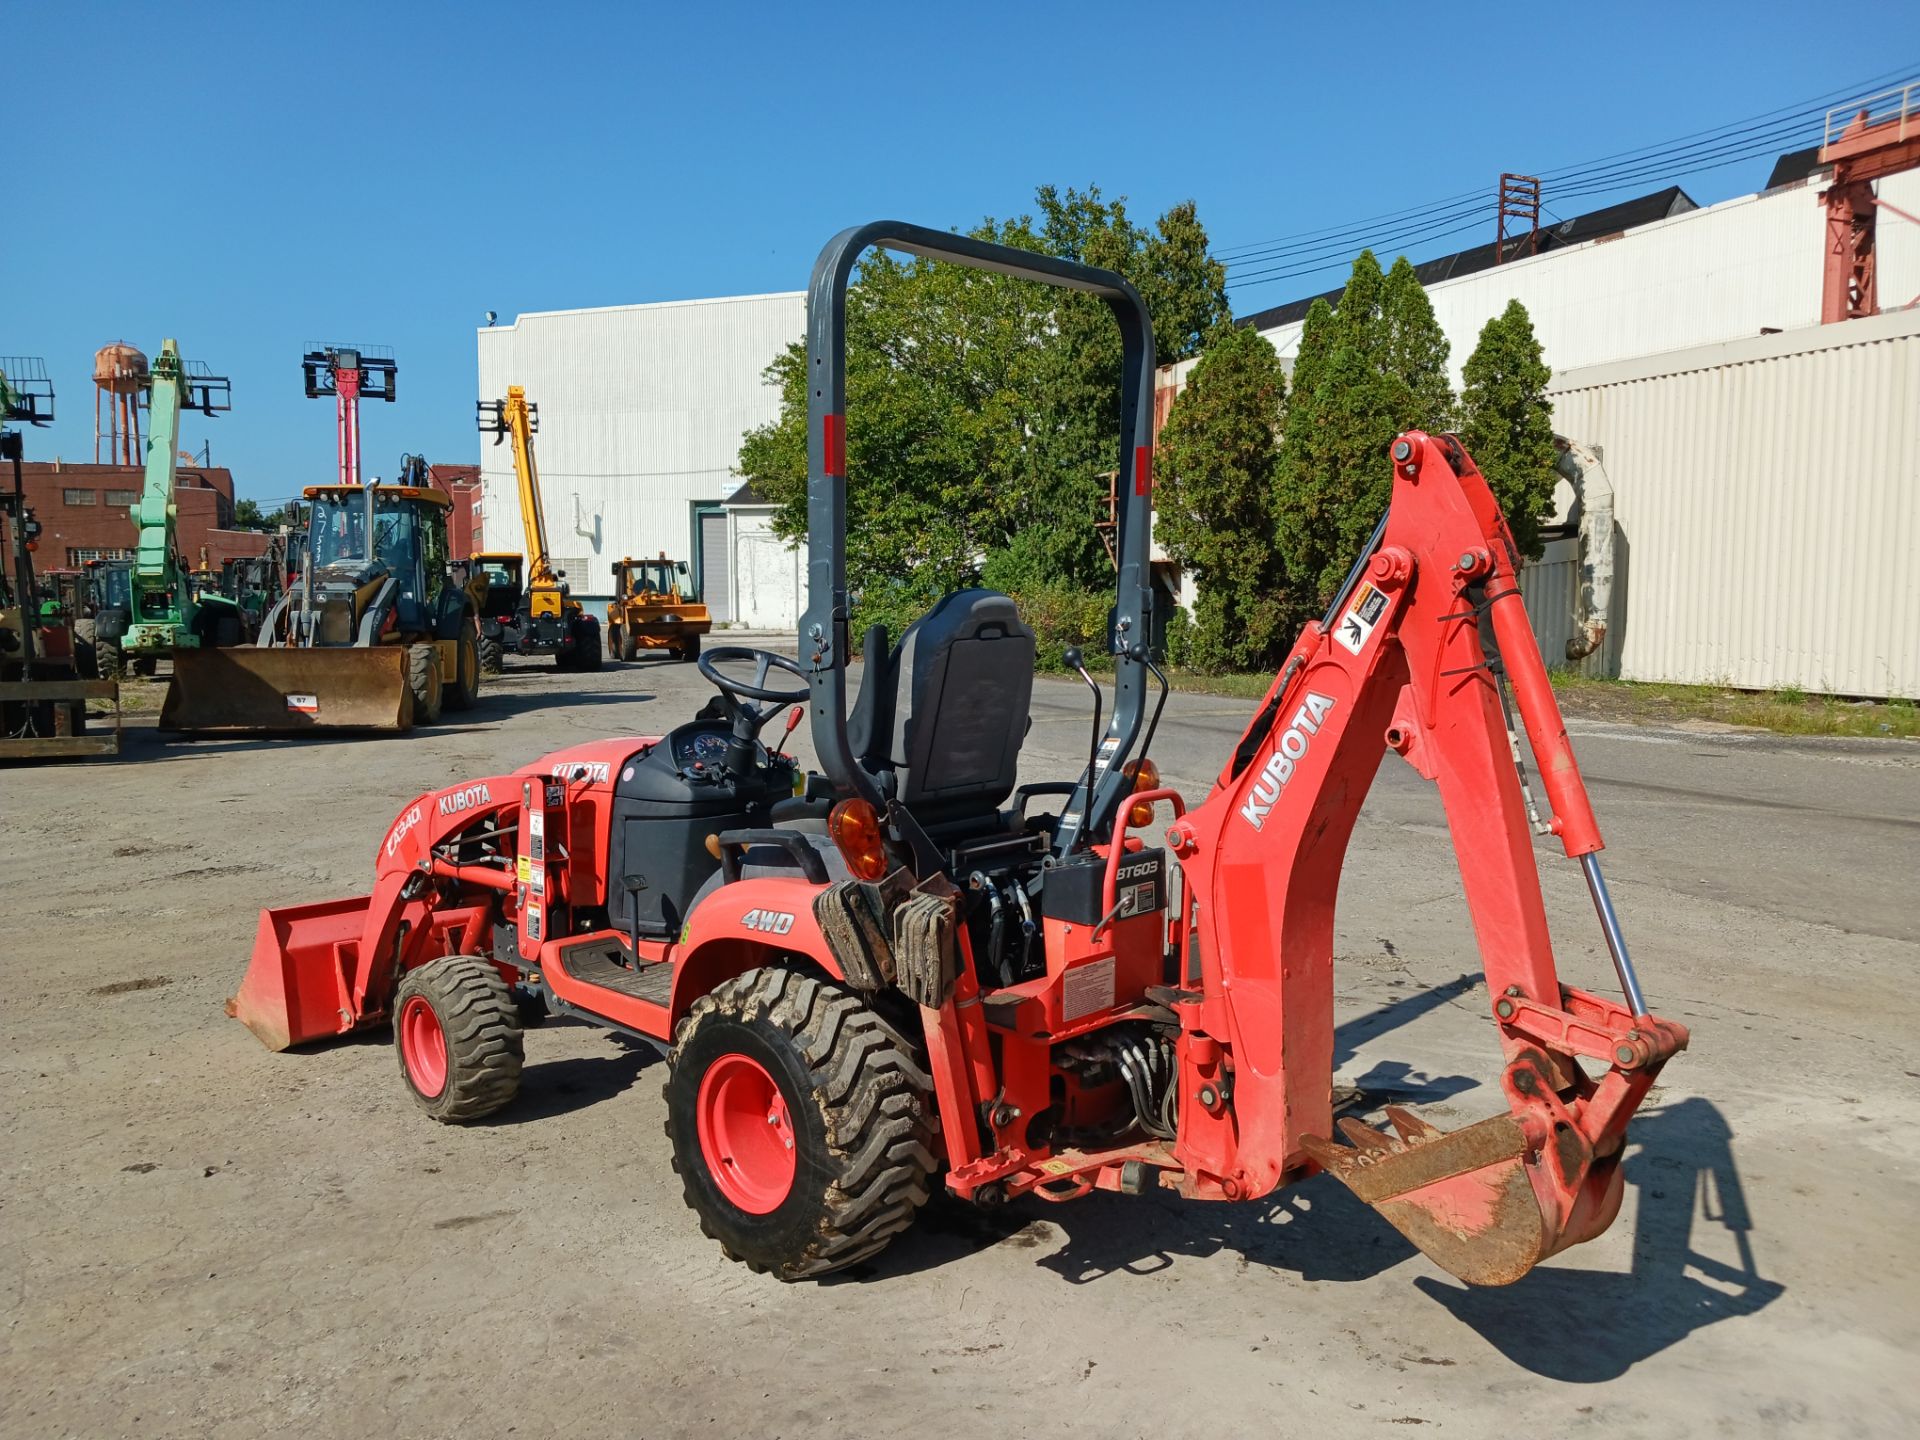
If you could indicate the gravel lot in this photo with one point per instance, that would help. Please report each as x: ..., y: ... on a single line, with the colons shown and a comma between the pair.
x: 204, y: 1239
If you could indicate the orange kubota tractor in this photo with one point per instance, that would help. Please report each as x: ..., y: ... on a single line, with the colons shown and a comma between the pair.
x: 897, y: 972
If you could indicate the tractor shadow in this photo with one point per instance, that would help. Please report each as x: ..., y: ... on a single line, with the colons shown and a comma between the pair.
x: 559, y: 1087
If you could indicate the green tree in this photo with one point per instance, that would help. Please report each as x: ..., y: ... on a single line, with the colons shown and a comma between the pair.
x: 1218, y: 506
x: 1367, y: 370
x: 247, y: 516
x: 1507, y: 423
x: 982, y: 411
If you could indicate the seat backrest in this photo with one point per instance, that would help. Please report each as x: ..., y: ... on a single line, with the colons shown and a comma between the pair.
x: 944, y: 712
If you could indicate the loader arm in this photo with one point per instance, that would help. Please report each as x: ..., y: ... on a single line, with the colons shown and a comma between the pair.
x: 155, y: 562
x: 1412, y: 657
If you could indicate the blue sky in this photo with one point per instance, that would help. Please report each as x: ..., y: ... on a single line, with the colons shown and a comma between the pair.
x: 251, y: 177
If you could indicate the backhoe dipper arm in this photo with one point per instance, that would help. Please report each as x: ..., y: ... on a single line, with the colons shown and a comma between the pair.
x: 825, y: 645
x: 1400, y: 664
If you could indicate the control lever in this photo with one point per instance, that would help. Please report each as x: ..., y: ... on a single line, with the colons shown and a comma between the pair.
x: 794, y: 716
x: 1077, y: 662
x: 634, y: 884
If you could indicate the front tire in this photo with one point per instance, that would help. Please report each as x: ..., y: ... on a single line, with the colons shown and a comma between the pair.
x: 458, y: 1037
x: 423, y: 679
x: 799, y: 1124
x: 109, y: 658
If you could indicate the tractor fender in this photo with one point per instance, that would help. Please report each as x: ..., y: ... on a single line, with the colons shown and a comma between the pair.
x: 750, y: 924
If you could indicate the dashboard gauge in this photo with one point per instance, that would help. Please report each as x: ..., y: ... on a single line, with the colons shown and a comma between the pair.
x: 708, y: 748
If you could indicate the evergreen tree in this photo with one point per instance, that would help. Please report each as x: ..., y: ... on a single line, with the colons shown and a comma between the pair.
x: 1218, y: 505
x: 1508, y: 423
x: 1373, y: 367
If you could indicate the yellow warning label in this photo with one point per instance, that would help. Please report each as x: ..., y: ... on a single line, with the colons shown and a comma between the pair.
x: 526, y: 869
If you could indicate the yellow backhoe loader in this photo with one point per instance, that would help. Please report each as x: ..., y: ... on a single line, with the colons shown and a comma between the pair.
x: 375, y: 635
x: 655, y: 607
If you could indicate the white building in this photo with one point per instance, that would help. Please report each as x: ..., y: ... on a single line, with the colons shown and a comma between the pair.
x: 641, y: 411
x: 1741, y: 268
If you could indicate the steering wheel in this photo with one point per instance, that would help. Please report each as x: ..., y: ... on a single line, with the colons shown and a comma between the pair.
x: 739, y: 692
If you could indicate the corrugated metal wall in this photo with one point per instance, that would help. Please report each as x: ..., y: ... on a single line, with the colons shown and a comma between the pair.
x: 641, y: 412
x: 1768, y: 525
x: 1719, y: 273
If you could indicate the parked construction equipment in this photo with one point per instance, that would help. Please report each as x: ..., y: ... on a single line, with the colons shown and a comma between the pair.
x: 655, y: 607
x: 897, y: 970
x: 375, y: 636
x: 43, y: 694
x: 539, y: 616
x: 165, y: 614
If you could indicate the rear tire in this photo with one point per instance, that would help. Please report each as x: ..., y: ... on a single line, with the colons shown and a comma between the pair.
x: 464, y: 693
x: 587, y: 654
x: 423, y: 679
x: 457, y: 1033
x: 493, y: 655
x: 690, y: 651
x: 628, y: 642
x: 109, y: 659
x: 799, y: 1124
x: 86, y: 650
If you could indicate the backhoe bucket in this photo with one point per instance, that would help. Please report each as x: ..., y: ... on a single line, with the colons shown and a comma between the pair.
x: 285, y: 690
x: 295, y: 989
x: 1479, y: 1201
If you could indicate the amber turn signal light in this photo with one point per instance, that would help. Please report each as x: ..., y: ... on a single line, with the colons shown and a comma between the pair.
x: 854, y: 828
x: 1145, y: 775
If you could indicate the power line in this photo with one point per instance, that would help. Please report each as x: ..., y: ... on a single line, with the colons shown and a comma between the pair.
x: 1701, y: 151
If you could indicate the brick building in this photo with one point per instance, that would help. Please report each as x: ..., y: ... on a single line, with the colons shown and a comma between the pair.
x: 461, y: 483
x: 83, y: 516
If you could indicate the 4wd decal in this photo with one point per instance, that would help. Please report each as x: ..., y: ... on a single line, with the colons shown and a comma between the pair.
x: 593, y: 771
x: 462, y: 800
x: 1279, y: 767
x: 773, y: 922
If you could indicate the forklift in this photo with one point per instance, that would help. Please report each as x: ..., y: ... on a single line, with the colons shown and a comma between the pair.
x: 43, y: 692
x: 537, y: 614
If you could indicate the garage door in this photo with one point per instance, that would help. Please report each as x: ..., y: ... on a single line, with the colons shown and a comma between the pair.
x: 716, y: 579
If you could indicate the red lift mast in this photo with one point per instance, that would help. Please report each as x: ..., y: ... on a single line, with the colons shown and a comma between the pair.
x: 349, y: 373
x: 1882, y: 138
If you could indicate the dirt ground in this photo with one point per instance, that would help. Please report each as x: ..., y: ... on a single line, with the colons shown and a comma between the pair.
x: 205, y: 1239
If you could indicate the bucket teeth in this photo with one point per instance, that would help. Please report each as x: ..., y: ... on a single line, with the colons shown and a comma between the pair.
x: 1410, y: 1127
x: 1364, y: 1137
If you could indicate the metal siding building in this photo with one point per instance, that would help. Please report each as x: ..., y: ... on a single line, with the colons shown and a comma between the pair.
x: 1767, y: 511
x: 1719, y: 273
x: 641, y: 412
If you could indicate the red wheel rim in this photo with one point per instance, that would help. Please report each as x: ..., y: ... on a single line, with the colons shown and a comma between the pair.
x: 423, y: 1045
x: 746, y: 1133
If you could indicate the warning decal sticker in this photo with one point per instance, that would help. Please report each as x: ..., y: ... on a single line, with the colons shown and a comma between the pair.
x: 1357, y: 624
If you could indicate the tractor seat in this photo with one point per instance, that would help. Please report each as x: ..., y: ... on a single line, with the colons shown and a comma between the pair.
x: 941, y: 716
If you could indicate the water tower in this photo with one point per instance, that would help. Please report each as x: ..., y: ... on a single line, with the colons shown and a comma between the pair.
x: 120, y: 378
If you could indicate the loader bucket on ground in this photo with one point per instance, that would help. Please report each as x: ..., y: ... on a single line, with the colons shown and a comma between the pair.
x: 287, y: 690
x: 1467, y: 1198
x: 295, y: 988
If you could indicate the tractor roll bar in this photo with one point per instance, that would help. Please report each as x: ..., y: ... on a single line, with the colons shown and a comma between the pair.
x: 825, y: 642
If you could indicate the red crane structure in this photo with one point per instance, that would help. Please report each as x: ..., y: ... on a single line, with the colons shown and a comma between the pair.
x: 349, y: 373
x: 1882, y: 138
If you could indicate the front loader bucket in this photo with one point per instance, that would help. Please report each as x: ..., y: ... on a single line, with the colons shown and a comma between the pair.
x: 295, y: 989
x: 251, y: 689
x: 1479, y: 1201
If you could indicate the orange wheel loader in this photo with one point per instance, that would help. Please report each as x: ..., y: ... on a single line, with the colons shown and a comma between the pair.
x: 908, y: 970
